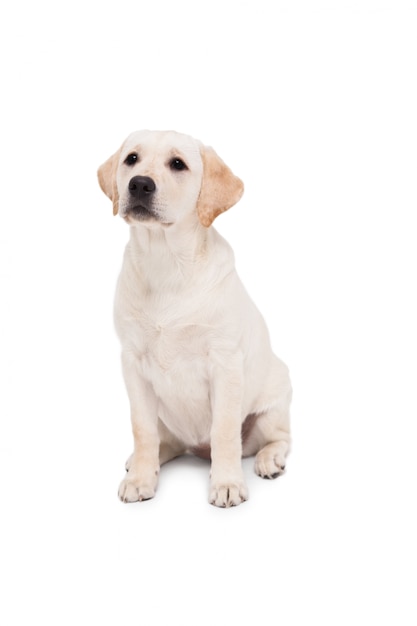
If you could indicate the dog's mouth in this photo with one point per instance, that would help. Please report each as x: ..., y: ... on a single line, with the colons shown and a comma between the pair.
x: 141, y: 213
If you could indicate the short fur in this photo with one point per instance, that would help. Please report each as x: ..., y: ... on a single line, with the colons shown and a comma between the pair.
x: 197, y: 361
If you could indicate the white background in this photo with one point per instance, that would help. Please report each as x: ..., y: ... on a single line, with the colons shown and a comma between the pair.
x: 314, y: 106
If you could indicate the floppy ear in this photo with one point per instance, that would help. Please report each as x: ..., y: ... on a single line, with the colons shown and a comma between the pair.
x: 220, y: 188
x: 107, y: 180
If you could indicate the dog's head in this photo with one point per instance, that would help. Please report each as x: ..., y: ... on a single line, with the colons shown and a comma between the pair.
x: 161, y: 177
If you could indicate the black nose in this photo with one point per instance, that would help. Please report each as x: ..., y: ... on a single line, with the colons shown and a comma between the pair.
x: 141, y: 187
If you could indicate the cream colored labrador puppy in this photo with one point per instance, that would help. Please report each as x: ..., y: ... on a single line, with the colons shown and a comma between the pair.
x: 197, y: 362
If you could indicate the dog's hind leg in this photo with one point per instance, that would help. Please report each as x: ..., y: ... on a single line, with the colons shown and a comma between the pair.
x: 269, y: 439
x: 266, y: 433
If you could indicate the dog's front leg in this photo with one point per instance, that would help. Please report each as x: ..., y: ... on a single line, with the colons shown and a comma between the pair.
x: 227, y: 485
x: 142, y: 477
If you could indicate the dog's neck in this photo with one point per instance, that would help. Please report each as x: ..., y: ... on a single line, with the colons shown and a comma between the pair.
x: 186, y: 241
x: 167, y: 256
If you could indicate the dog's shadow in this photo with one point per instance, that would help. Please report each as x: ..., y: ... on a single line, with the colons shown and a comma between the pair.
x: 188, y: 477
x: 186, y: 464
x: 193, y: 473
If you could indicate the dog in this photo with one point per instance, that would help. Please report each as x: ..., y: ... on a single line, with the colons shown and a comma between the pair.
x: 197, y: 363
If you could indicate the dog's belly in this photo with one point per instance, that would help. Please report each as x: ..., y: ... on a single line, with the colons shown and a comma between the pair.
x: 178, y: 373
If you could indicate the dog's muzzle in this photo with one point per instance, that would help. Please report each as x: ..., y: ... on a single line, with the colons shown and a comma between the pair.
x: 141, y: 192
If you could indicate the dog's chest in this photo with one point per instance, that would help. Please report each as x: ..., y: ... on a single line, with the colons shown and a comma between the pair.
x: 169, y: 346
x: 174, y: 358
x: 167, y: 333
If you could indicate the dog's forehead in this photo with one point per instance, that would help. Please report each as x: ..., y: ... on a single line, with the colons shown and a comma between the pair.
x: 162, y: 143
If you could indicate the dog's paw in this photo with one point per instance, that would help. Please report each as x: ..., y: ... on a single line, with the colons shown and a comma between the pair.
x: 228, y: 494
x: 270, y: 462
x: 133, y: 489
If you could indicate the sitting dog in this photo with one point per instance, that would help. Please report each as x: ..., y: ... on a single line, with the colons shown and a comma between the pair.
x: 197, y: 363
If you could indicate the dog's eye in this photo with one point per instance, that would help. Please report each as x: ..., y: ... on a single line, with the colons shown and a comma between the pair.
x: 178, y: 165
x: 131, y: 158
